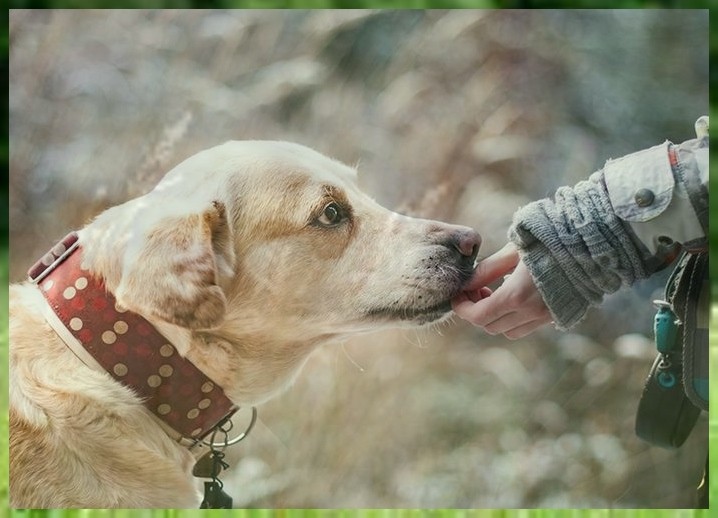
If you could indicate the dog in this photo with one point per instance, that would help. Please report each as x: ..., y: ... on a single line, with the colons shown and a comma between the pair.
x: 244, y: 258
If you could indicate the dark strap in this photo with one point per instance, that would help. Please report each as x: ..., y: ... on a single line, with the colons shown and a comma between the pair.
x: 691, y: 301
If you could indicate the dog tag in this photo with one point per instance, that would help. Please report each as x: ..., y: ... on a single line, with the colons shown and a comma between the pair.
x: 215, y: 497
x: 206, y: 466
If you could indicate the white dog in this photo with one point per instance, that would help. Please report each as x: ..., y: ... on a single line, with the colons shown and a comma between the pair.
x: 219, y: 283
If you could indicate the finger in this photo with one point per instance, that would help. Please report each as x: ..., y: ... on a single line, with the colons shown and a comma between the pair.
x: 477, y: 295
x: 485, y: 311
x: 494, y: 267
x: 508, y: 321
x: 526, y: 329
x: 463, y: 306
x: 514, y: 317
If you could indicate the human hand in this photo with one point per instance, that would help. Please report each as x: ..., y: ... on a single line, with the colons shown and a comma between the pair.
x: 515, y: 309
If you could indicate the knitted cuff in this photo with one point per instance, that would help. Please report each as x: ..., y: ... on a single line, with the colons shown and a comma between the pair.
x: 576, y: 249
x: 565, y: 303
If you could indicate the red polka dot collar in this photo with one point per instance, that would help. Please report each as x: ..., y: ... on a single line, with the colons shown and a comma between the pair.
x: 127, y: 346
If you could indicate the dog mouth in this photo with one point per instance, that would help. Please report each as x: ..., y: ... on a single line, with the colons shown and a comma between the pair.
x: 423, y: 309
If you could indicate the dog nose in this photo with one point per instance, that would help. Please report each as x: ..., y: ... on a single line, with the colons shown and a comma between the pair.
x: 467, y: 242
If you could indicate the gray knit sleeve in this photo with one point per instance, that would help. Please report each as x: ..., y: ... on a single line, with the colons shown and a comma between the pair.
x: 625, y: 222
x: 576, y: 249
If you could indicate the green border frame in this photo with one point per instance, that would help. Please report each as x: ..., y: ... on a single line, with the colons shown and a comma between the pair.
x: 366, y: 513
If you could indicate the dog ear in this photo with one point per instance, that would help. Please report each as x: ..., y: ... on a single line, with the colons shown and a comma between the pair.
x: 176, y: 273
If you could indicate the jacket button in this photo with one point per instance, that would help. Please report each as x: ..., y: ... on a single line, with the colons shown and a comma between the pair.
x: 644, y: 197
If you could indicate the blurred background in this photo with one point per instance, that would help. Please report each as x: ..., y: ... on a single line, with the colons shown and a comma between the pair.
x: 455, y: 115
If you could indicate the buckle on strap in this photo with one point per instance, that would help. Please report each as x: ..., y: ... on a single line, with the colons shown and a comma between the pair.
x: 53, y: 258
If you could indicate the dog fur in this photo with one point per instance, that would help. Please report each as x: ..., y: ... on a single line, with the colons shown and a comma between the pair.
x: 237, y: 258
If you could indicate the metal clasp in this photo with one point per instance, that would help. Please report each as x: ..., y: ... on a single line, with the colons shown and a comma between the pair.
x: 225, y: 427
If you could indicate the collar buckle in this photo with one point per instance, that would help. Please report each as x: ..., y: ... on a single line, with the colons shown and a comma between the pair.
x: 53, y: 258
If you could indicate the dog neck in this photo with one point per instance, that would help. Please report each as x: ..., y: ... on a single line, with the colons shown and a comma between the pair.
x: 252, y: 364
x: 126, y: 346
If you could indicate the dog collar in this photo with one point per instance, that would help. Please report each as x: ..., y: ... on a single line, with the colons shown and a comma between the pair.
x: 127, y: 346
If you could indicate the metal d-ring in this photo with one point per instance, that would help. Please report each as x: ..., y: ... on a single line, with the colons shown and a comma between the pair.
x: 235, y: 440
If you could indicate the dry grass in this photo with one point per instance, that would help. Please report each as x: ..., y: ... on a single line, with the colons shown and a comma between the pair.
x: 462, y: 116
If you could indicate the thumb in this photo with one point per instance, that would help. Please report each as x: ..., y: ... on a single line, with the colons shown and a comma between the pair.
x: 494, y: 267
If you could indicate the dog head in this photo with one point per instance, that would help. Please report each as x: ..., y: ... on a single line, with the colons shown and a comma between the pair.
x: 271, y: 233
x: 273, y: 243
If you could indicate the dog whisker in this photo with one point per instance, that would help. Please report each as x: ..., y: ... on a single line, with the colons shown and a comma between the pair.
x: 351, y: 360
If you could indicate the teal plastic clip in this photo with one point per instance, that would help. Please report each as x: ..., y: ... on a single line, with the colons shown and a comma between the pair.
x: 665, y: 328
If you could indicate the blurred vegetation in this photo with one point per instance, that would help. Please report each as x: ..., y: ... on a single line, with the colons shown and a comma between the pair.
x: 356, y: 4
x: 713, y: 227
x: 4, y: 150
x: 457, y: 115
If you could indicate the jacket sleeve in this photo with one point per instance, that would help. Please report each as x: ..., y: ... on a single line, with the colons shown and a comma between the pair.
x: 625, y: 222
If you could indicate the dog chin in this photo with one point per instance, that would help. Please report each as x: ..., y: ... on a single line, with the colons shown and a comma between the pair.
x: 413, y: 315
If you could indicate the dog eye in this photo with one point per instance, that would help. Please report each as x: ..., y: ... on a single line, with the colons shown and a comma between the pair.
x: 331, y: 216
